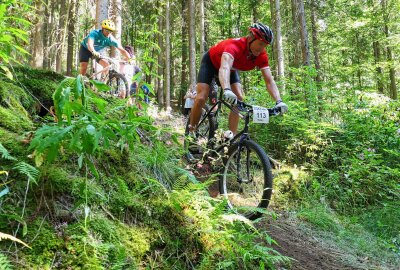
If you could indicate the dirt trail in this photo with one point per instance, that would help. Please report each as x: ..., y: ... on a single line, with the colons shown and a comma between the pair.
x: 307, y: 251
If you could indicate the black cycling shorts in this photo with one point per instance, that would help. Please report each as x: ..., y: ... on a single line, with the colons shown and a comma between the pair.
x: 84, y: 54
x: 208, y: 72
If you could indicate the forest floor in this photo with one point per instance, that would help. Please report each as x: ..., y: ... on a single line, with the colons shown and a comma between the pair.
x: 309, y: 248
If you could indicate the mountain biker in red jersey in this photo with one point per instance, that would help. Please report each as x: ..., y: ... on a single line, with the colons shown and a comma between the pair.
x: 224, y: 61
x: 95, y: 42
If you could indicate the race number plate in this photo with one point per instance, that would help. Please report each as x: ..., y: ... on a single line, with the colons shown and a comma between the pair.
x: 260, y: 115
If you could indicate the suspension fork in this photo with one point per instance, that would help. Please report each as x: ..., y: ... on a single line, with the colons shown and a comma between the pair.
x: 243, y: 137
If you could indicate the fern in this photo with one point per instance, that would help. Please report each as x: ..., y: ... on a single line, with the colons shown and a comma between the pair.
x: 4, y: 262
x: 5, y: 154
x: 24, y: 168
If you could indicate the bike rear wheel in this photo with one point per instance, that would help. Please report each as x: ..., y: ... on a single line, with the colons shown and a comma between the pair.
x: 246, y: 180
x: 118, y: 84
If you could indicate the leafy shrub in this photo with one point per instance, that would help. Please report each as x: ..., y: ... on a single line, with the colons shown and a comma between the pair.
x: 4, y: 262
x: 384, y: 221
x: 319, y: 215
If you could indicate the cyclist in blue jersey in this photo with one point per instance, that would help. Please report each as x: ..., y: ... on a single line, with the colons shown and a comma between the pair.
x: 95, y: 42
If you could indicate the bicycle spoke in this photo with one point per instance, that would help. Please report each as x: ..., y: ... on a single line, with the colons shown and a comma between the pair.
x: 247, y: 181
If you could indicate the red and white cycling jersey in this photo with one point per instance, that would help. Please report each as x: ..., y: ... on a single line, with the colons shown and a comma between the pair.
x: 237, y: 48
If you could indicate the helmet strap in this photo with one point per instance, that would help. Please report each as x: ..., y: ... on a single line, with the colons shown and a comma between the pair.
x: 251, y: 55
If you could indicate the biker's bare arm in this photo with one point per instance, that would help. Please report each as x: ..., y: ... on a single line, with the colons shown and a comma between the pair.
x: 270, y: 84
x: 90, y: 45
x: 225, y: 70
x: 124, y: 52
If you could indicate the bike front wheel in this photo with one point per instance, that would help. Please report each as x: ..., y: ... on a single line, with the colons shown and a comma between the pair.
x: 246, y: 180
x: 118, y: 84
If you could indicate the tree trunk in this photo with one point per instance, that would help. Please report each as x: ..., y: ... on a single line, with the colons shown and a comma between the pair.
x: 278, y: 38
x: 160, y: 93
x: 316, y: 54
x: 48, y: 42
x: 61, y: 34
x: 115, y: 16
x: 202, y: 25
x: 315, y: 41
x: 192, y: 43
x: 392, y: 85
x: 254, y: 12
x: 37, y: 36
x: 379, y: 73
x: 167, y: 58
x: 295, y: 36
x: 305, y: 48
x: 358, y: 60
x: 101, y: 12
x: 46, y: 35
x: 273, y: 61
x: 71, y: 35
x: 184, y: 73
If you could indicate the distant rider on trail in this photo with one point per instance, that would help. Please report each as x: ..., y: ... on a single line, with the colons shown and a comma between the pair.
x: 95, y: 42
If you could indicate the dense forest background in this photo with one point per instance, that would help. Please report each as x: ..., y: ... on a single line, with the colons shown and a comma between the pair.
x: 321, y: 47
x: 87, y: 198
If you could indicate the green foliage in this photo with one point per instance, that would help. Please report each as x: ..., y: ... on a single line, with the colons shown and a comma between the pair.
x: 84, y: 125
x: 4, y: 262
x: 384, y: 221
x: 135, y: 191
x: 46, y: 243
x: 352, y: 158
x: 5, y: 154
x: 319, y: 215
x: 20, y: 167
x: 12, y: 30
x: 348, y: 157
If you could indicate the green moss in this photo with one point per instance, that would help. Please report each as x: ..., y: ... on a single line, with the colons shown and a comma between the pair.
x: 13, y: 104
x: 41, y: 83
x: 58, y: 177
x: 44, y: 242
x: 13, y: 142
x: 107, y: 229
x: 12, y: 96
x: 136, y: 240
x: 15, y: 121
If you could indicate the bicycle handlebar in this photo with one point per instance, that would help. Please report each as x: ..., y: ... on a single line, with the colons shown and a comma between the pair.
x: 244, y: 107
x: 113, y: 60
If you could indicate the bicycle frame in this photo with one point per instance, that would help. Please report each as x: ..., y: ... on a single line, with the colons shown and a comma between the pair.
x: 243, y: 134
x: 112, y: 75
x: 248, y: 109
x: 112, y: 67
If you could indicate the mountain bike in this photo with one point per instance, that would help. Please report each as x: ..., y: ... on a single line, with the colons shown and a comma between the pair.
x: 111, y: 76
x: 247, y: 172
